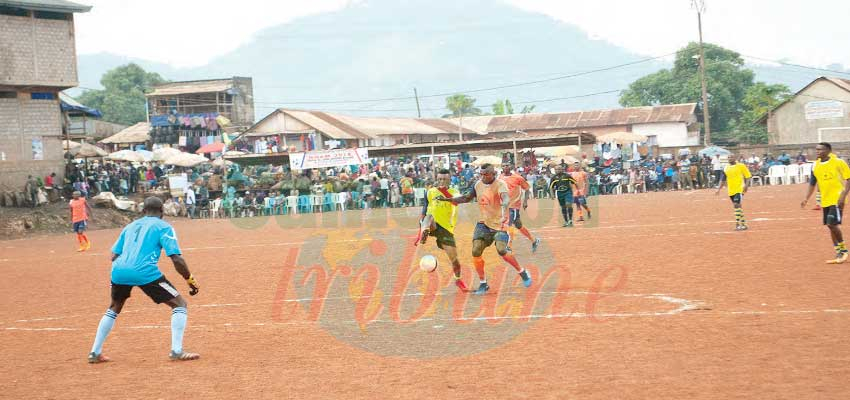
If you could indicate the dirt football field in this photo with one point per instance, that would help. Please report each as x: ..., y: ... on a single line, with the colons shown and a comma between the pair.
x: 656, y: 296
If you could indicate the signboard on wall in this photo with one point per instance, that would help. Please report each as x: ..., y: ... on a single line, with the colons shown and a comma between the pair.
x: 328, y: 158
x: 177, y: 184
x: 37, y: 149
x: 824, y: 109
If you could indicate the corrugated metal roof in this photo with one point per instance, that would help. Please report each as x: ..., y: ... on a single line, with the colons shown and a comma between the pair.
x: 840, y: 82
x: 47, y: 5
x: 138, y: 133
x: 205, y: 86
x: 349, y: 127
x: 580, y: 119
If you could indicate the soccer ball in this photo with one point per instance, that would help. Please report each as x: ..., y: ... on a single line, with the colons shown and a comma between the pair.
x: 428, y: 263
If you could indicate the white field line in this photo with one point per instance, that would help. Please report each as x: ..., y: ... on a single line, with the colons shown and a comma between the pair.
x: 681, y: 306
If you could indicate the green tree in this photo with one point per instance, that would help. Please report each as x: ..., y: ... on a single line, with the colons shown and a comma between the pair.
x: 122, y: 99
x: 727, y: 80
x: 461, y: 104
x: 504, y: 107
x: 759, y: 99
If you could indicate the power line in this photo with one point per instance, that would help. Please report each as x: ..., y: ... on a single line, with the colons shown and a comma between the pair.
x: 798, y: 65
x: 474, y: 90
x: 444, y: 108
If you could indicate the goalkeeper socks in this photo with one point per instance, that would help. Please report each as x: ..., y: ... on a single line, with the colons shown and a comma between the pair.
x: 178, y: 325
x: 103, y: 329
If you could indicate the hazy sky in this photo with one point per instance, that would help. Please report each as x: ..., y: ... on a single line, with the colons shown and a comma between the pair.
x: 810, y: 32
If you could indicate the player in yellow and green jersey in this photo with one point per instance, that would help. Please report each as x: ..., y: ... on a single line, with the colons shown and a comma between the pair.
x: 832, y: 177
x: 438, y: 219
x: 737, y: 177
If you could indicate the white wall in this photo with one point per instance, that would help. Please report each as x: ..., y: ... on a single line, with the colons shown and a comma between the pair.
x: 668, y: 134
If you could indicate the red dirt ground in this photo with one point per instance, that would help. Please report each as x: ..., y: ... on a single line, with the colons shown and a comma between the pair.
x: 689, y: 308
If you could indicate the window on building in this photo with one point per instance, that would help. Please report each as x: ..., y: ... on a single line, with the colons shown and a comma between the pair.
x: 8, y: 95
x: 52, y: 15
x: 652, y: 140
x: 15, y: 12
x: 43, y: 96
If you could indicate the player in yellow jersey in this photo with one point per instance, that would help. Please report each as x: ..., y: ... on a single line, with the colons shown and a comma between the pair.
x: 493, y: 199
x: 439, y: 218
x: 737, y: 177
x: 832, y: 177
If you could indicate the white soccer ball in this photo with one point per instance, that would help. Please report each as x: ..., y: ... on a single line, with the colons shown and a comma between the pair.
x: 428, y: 263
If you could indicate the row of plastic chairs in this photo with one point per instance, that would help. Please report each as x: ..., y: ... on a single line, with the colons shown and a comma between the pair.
x: 787, y: 174
x: 308, y: 203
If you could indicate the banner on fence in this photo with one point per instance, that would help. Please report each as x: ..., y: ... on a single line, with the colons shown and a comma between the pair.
x: 328, y: 158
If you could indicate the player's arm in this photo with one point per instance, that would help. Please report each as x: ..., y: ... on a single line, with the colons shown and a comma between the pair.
x: 812, y: 184
x: 424, y: 208
x: 722, y: 183
x: 526, y: 193
x: 183, y: 269
x: 466, y: 198
x: 748, y: 179
x: 168, y: 241
x: 845, y: 174
x: 506, y: 202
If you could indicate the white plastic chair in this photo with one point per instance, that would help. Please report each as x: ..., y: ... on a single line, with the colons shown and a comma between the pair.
x: 758, y: 178
x: 317, y: 200
x: 792, y: 174
x: 806, y: 172
x: 419, y: 194
x: 216, y: 208
x: 340, y: 199
x: 776, y: 174
x: 291, y: 204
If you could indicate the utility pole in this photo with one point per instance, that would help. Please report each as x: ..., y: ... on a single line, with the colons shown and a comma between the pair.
x: 700, y: 7
x: 460, y: 131
x: 418, y: 111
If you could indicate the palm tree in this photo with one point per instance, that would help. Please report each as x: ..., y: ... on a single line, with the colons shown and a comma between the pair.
x: 504, y: 107
x: 460, y: 105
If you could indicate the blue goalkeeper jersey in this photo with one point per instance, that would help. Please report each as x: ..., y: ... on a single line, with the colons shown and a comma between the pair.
x: 139, y: 247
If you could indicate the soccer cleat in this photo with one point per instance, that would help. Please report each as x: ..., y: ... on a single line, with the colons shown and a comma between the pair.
x: 88, y: 245
x: 581, y: 219
x: 460, y: 285
x: 98, y: 358
x: 588, y: 214
x: 183, y: 356
x: 483, y: 288
x: 81, y: 249
x: 568, y: 224
x: 744, y: 227
x: 526, y: 279
x: 535, y: 244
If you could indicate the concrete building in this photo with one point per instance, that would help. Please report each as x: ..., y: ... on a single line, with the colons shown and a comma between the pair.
x: 818, y: 112
x: 297, y: 130
x: 38, y: 59
x: 84, y: 124
x: 188, y: 114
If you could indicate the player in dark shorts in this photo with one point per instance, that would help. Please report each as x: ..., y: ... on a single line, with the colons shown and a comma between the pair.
x: 438, y: 219
x: 832, y: 177
x: 493, y: 202
x: 563, y: 186
x: 134, y: 263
